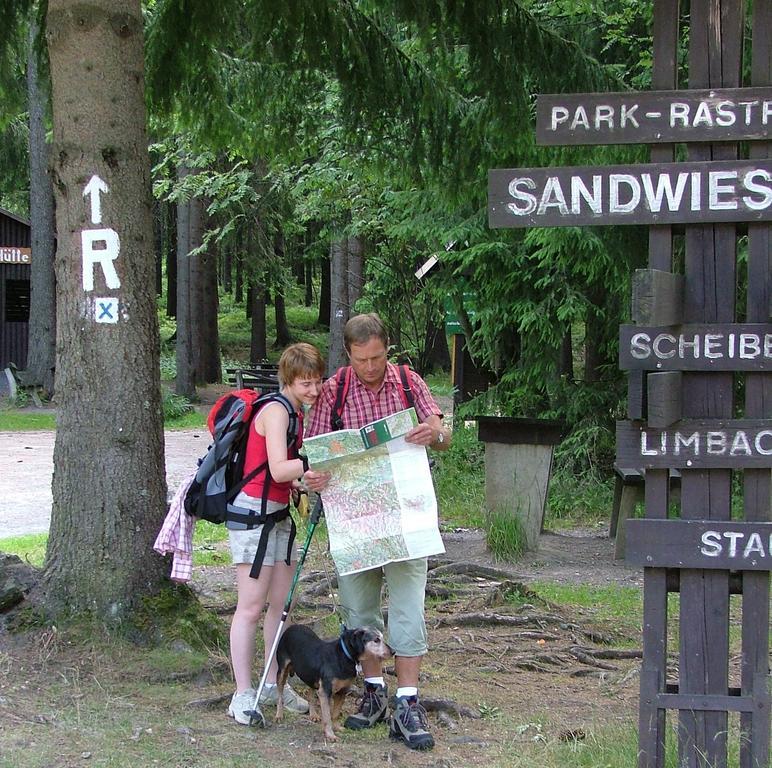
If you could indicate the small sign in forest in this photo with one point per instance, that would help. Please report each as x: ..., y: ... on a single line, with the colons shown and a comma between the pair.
x: 730, y: 114
x: 662, y: 193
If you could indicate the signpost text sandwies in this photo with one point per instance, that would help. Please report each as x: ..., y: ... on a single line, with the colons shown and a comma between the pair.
x: 683, y: 351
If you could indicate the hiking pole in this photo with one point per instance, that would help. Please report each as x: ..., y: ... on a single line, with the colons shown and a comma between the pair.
x: 255, y: 714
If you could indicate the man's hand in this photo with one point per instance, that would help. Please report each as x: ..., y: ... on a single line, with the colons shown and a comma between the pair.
x: 423, y: 434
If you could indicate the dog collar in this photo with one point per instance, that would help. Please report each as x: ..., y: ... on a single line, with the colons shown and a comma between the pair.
x: 345, y: 650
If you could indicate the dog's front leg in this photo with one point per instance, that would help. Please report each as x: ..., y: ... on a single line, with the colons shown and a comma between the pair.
x: 324, y: 705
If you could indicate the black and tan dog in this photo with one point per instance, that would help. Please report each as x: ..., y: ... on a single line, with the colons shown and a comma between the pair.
x: 326, y: 666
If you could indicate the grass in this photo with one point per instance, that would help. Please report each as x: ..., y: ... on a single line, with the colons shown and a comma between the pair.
x: 12, y: 420
x: 612, y: 603
x: 505, y: 535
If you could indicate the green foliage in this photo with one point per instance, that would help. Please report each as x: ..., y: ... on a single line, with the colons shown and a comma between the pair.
x: 459, y: 478
x: 175, y: 406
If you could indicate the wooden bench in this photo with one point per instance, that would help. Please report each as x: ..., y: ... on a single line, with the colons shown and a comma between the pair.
x: 628, y: 492
x: 262, y: 376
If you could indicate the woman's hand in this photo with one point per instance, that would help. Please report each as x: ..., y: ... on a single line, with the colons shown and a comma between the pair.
x: 316, y: 481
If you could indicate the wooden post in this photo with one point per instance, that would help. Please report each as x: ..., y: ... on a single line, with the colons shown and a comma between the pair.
x: 683, y: 353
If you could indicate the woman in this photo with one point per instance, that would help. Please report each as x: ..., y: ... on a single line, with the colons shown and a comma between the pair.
x: 300, y: 378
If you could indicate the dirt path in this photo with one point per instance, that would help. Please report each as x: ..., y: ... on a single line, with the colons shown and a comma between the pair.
x: 28, y: 466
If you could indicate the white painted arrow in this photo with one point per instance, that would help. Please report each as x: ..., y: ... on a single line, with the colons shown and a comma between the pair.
x: 94, y: 187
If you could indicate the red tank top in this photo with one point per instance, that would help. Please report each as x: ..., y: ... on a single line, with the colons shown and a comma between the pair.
x: 257, y: 455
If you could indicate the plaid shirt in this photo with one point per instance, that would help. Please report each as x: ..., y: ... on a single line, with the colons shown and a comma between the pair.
x: 363, y: 406
x: 176, y: 535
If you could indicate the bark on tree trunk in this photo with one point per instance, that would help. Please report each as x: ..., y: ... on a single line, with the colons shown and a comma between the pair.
x: 592, y: 342
x: 210, y: 337
x: 185, y: 383
x: 309, y: 298
x: 196, y: 235
x: 355, y: 272
x: 567, y: 355
x: 109, y: 488
x: 339, y: 309
x: 283, y: 336
x: 258, y: 349
x: 41, y: 354
x: 170, y: 254
x: 324, y: 294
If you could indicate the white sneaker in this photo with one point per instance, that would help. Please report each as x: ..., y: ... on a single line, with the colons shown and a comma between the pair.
x: 292, y: 701
x: 240, y: 704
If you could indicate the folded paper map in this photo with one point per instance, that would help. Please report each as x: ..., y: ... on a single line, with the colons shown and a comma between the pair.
x: 380, y: 505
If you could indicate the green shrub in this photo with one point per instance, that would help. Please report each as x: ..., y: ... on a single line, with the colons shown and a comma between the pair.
x: 175, y: 406
x: 459, y: 478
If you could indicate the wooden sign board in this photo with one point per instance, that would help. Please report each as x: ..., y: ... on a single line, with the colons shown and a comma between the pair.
x: 715, y: 444
x: 727, y: 347
x: 699, y: 544
x: 11, y: 254
x: 661, y: 193
x: 731, y: 114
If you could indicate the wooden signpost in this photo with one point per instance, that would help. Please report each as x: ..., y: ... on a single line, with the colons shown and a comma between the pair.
x: 684, y: 351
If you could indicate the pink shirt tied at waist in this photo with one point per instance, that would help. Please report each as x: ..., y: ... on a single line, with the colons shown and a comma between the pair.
x: 363, y: 406
x: 176, y: 535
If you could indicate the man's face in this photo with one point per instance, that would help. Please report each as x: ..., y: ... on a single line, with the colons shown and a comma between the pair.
x: 369, y: 361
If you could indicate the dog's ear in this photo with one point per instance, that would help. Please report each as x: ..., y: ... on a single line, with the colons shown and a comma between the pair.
x: 356, y: 640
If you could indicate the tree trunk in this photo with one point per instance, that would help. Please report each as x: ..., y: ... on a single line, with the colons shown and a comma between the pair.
x: 355, y: 272
x: 339, y: 309
x: 41, y: 355
x: 185, y: 383
x: 436, y: 353
x: 258, y: 348
x: 109, y: 488
x: 227, y: 270
x: 324, y: 294
x: 593, y: 339
x: 283, y: 336
x: 158, y: 231
x: 567, y: 355
x: 170, y: 254
x: 197, y: 290
x: 309, y: 298
x: 238, y: 292
x: 211, y: 366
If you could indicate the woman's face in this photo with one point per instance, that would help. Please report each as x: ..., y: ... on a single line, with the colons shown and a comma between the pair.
x: 305, y: 389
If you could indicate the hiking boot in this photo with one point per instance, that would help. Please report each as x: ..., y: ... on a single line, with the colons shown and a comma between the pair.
x: 372, y: 708
x: 241, y: 703
x: 408, y: 723
x: 292, y: 701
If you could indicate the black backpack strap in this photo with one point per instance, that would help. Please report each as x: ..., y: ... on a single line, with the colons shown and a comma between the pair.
x: 268, y: 522
x: 407, y: 390
x: 343, y: 380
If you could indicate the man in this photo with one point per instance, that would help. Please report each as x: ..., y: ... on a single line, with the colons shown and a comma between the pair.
x: 375, y: 392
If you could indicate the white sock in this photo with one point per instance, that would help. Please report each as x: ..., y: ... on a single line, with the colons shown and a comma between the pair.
x: 375, y: 681
x: 269, y: 685
x: 408, y: 690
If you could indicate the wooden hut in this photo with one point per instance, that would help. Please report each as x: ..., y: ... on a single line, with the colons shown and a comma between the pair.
x: 15, y: 268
